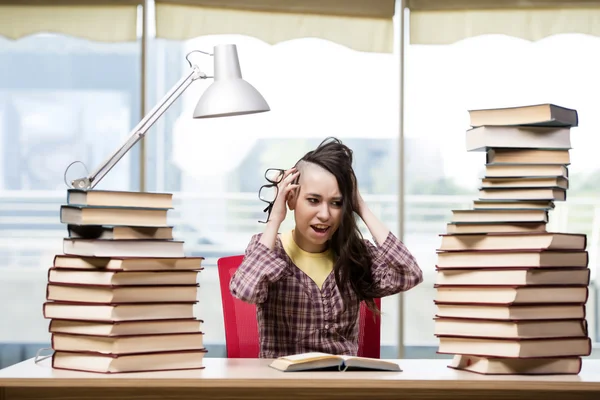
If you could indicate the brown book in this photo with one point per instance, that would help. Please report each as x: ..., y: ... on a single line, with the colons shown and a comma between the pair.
x: 111, y: 363
x: 125, y: 328
x: 511, y: 312
x: 120, y: 232
x: 120, y: 278
x: 128, y: 263
x: 499, y: 215
x: 512, y: 258
x: 528, y: 156
x: 123, y: 248
x: 121, y: 294
x: 520, y: 170
x: 514, y: 241
x: 507, y: 277
x: 517, y: 366
x: 118, y: 312
x: 511, y: 294
x: 516, y: 348
x: 129, y: 216
x: 526, y: 182
x: 535, y: 115
x: 532, y: 329
x: 127, y: 344
x: 524, y: 193
x: 470, y: 228
x: 482, y: 138
x: 119, y: 198
x: 513, y: 204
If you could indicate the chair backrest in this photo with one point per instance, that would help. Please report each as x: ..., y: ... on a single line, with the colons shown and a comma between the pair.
x: 241, y: 328
x: 369, y: 335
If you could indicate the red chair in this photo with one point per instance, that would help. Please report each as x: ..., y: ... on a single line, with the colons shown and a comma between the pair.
x: 241, y: 328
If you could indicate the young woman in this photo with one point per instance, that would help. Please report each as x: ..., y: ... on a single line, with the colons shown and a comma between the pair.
x: 308, y: 283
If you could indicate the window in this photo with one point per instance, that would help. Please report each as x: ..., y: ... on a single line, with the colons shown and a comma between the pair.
x: 64, y: 99
x: 442, y: 83
x: 215, y: 167
x: 61, y: 100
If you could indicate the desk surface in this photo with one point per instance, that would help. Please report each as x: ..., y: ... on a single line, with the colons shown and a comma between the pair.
x: 255, y: 373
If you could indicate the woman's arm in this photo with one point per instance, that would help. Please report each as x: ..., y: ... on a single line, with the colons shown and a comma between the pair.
x: 261, y: 266
x: 377, y: 228
x: 393, y: 267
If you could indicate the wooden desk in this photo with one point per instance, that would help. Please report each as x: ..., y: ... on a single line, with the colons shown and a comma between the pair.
x: 253, y: 379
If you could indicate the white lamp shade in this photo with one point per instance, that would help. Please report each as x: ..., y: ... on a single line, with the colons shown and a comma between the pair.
x: 229, y: 94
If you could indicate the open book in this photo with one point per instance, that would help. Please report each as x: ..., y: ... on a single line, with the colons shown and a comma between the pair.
x: 315, y: 361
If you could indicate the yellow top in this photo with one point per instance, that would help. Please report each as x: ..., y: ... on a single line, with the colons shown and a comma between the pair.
x: 316, y: 266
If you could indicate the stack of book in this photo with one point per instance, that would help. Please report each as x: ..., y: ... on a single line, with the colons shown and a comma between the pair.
x: 510, y: 295
x: 121, y: 296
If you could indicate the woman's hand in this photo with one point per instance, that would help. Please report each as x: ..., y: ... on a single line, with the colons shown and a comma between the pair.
x: 279, y: 210
x: 285, y: 186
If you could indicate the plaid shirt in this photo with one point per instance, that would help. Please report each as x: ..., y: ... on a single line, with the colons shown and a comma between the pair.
x: 294, y: 316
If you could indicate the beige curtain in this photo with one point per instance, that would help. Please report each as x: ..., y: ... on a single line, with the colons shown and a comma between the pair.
x: 445, y: 22
x: 99, y: 20
x: 364, y: 25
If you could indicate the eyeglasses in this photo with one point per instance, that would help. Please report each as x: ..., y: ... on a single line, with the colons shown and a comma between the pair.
x: 268, y: 193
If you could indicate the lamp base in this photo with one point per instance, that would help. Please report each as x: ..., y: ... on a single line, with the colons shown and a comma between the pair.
x: 81, y: 183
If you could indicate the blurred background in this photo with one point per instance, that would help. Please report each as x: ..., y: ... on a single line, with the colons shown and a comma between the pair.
x: 394, y: 81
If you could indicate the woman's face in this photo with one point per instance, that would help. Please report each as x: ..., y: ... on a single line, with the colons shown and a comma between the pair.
x: 317, y: 206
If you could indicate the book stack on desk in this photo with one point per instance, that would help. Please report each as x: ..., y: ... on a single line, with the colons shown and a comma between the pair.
x: 510, y: 295
x: 121, y: 296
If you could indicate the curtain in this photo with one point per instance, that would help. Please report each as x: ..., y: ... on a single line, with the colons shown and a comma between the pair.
x: 364, y: 25
x: 445, y: 22
x: 99, y: 20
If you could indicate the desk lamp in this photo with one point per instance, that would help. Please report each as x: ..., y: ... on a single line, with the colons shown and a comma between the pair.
x: 228, y: 95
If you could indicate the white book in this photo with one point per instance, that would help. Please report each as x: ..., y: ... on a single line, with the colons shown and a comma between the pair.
x: 123, y: 248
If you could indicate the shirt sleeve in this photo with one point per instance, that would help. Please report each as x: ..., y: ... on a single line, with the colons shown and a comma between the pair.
x: 261, y: 266
x: 394, y: 268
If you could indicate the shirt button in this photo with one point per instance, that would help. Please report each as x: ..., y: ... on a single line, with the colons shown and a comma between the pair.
x: 326, y: 309
x: 326, y: 326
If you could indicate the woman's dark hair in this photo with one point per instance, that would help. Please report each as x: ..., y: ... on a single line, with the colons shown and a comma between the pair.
x: 353, y: 259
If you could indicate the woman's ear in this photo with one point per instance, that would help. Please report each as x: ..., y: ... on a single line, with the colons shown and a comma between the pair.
x: 292, y: 198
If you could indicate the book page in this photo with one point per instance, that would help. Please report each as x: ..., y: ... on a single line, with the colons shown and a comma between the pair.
x: 358, y: 358
x: 375, y: 363
x: 305, y: 357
